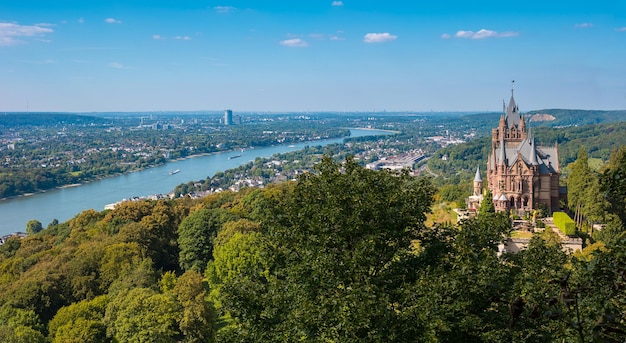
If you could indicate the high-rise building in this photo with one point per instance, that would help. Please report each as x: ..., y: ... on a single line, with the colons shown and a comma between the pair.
x: 521, y: 175
x: 228, y: 117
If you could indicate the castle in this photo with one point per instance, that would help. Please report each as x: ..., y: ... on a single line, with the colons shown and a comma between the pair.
x: 521, y: 176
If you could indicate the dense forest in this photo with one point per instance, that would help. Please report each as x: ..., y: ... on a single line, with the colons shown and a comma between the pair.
x: 340, y: 255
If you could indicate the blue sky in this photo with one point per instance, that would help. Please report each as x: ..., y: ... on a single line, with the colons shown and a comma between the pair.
x: 311, y: 55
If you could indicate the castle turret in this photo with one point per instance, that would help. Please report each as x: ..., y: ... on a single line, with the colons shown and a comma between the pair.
x: 478, y: 183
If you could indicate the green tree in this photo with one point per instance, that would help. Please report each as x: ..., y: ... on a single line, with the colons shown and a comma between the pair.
x: 243, y: 255
x: 583, y: 191
x: 342, y: 245
x: 461, y: 290
x: 196, y: 234
x: 20, y: 326
x: 197, y: 322
x: 486, y: 205
x: 80, y: 322
x: 613, y: 185
x: 143, y: 315
x: 33, y: 226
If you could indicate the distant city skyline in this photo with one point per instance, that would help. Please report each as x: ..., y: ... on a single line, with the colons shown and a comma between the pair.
x: 316, y: 55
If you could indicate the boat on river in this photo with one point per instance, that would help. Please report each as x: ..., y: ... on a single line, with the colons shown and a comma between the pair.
x: 175, y: 172
x: 235, y: 156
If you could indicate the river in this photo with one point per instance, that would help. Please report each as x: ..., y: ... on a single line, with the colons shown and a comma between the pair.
x: 65, y: 203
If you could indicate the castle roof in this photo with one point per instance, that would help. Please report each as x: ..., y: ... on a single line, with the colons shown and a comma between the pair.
x: 477, y: 177
x: 546, y: 158
x: 512, y: 117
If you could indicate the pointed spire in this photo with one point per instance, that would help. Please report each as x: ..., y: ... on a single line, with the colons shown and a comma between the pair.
x: 512, y: 105
x: 477, y: 177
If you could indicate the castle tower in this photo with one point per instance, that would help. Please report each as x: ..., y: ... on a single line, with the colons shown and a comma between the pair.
x: 478, y: 183
x: 520, y: 175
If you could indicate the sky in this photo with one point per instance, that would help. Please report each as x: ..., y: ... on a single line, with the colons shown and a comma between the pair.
x: 311, y: 55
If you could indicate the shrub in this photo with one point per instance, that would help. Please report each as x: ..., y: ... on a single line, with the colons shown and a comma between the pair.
x: 564, y: 223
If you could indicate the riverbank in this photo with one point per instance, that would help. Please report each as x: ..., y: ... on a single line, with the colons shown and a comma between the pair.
x: 134, y: 170
x: 64, y: 203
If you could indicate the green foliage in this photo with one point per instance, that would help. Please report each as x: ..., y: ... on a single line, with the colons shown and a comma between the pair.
x: 20, y: 326
x: 613, y: 183
x: 196, y: 235
x: 338, y: 242
x: 143, y: 315
x: 564, y: 223
x: 197, y: 322
x: 243, y: 255
x: 456, y: 193
x: 340, y: 255
x: 486, y: 205
x: 33, y: 226
x: 80, y: 322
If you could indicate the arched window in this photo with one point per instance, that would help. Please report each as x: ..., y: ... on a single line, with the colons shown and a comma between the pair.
x: 525, y: 201
x: 512, y: 202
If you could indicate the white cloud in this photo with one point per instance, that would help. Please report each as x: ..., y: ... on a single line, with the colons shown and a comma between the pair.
x: 182, y: 37
x: 294, y: 43
x: 584, y: 25
x: 81, y: 20
x: 10, y: 32
x: 621, y: 29
x: 157, y: 37
x: 379, y: 37
x: 481, y: 34
x: 337, y: 3
x: 335, y: 38
x: 112, y: 21
x: 224, y: 9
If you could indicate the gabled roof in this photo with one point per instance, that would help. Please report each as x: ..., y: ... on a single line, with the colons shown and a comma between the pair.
x: 532, y: 155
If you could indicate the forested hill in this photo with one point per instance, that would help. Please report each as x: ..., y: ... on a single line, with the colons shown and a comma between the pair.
x: 47, y: 119
x: 329, y: 258
x: 599, y: 140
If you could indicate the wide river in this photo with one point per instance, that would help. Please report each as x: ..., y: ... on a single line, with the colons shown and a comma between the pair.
x: 65, y: 203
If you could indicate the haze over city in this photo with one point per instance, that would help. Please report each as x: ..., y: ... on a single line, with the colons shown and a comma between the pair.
x: 83, y: 56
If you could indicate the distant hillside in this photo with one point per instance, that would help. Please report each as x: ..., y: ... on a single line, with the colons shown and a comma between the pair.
x: 541, y: 117
x: 47, y: 119
x: 565, y: 117
x: 484, y: 122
